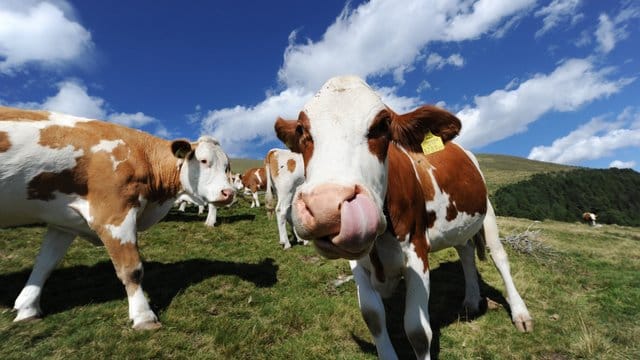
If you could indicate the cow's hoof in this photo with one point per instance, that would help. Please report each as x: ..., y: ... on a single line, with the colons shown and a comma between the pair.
x: 523, y: 324
x: 29, y: 314
x: 147, y: 325
x: 286, y: 246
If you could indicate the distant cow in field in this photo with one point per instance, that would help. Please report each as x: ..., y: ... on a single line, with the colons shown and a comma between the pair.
x: 185, y: 199
x: 383, y: 190
x: 589, y: 218
x: 285, y: 172
x: 254, y: 180
x: 102, y: 182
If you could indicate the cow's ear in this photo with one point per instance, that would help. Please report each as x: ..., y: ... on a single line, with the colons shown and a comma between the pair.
x: 286, y: 132
x: 410, y: 129
x: 180, y: 148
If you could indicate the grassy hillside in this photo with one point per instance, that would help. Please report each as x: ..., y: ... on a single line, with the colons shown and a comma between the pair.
x: 240, y: 165
x: 501, y: 170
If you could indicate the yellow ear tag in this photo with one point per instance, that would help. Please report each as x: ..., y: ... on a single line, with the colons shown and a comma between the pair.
x: 431, y: 144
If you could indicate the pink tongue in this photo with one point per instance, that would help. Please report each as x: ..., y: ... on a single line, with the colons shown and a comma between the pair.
x: 359, y: 222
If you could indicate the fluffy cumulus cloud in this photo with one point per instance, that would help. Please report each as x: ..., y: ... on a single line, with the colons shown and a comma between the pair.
x: 375, y: 39
x: 503, y: 113
x: 73, y: 98
x: 558, y: 12
x: 40, y: 32
x: 596, y: 139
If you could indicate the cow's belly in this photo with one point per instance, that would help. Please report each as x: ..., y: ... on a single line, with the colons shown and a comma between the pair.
x: 61, y: 212
x: 456, y: 232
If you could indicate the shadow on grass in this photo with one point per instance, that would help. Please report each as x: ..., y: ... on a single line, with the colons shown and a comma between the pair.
x: 193, y: 216
x: 81, y: 285
x: 445, y: 308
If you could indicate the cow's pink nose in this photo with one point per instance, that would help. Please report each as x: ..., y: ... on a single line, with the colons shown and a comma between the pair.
x: 319, y: 209
x: 226, y: 196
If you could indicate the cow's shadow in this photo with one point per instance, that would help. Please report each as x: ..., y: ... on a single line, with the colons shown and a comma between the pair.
x: 194, y: 217
x: 445, y: 308
x: 81, y: 285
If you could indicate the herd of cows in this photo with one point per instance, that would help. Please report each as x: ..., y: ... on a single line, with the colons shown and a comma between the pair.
x: 360, y: 181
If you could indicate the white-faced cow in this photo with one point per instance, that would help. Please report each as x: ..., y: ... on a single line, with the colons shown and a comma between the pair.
x: 184, y: 199
x: 102, y: 182
x: 372, y: 195
x: 254, y: 180
x: 285, y: 172
x: 589, y: 218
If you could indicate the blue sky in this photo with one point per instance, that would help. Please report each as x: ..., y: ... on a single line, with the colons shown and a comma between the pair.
x: 551, y: 80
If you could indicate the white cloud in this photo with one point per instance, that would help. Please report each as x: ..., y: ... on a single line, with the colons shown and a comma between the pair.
x: 73, y: 98
x: 503, y: 113
x: 131, y: 120
x: 558, y: 11
x: 424, y: 85
x: 595, y: 139
x: 40, y: 32
x: 605, y: 34
x: 622, y: 164
x: 611, y: 31
x: 436, y: 61
x: 377, y: 38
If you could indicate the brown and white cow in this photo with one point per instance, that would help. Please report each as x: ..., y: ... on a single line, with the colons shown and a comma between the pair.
x: 102, y: 182
x: 285, y: 172
x: 589, y: 218
x: 372, y: 196
x: 254, y: 180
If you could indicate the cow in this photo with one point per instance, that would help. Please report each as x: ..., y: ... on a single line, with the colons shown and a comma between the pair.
x: 184, y: 199
x: 285, y: 172
x: 589, y: 218
x: 382, y: 190
x: 254, y: 180
x: 102, y: 182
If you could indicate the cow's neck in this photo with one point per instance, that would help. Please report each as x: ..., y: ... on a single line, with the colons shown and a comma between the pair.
x: 164, y: 180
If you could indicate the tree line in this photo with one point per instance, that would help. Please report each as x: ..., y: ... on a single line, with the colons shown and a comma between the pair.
x: 612, y: 194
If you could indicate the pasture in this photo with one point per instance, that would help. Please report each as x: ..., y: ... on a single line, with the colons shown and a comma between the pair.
x: 231, y: 292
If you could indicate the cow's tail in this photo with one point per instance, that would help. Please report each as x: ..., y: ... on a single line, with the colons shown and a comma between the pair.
x: 481, y: 244
x: 268, y: 195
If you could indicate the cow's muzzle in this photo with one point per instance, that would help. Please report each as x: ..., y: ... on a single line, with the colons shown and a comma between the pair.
x: 343, y: 221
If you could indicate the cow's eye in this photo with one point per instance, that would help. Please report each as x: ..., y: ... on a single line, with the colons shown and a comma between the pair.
x: 204, y: 161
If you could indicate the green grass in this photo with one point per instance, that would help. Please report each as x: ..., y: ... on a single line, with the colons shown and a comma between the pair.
x: 232, y: 293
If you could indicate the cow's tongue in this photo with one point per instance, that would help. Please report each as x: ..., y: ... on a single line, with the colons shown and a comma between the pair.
x: 359, y: 222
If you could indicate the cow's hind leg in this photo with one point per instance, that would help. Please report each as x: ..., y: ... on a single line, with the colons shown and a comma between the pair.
x: 54, y: 246
x: 519, y: 313
x: 281, y: 220
x: 472, y: 297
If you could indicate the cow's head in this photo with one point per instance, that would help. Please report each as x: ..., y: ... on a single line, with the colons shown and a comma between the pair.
x: 343, y: 134
x: 205, y: 169
x: 236, y: 181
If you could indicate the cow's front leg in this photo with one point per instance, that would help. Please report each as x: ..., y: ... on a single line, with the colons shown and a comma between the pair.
x: 211, y: 216
x: 372, y: 310
x: 54, y: 246
x: 121, y: 243
x: 416, y: 315
x: 281, y: 220
x: 256, y: 200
